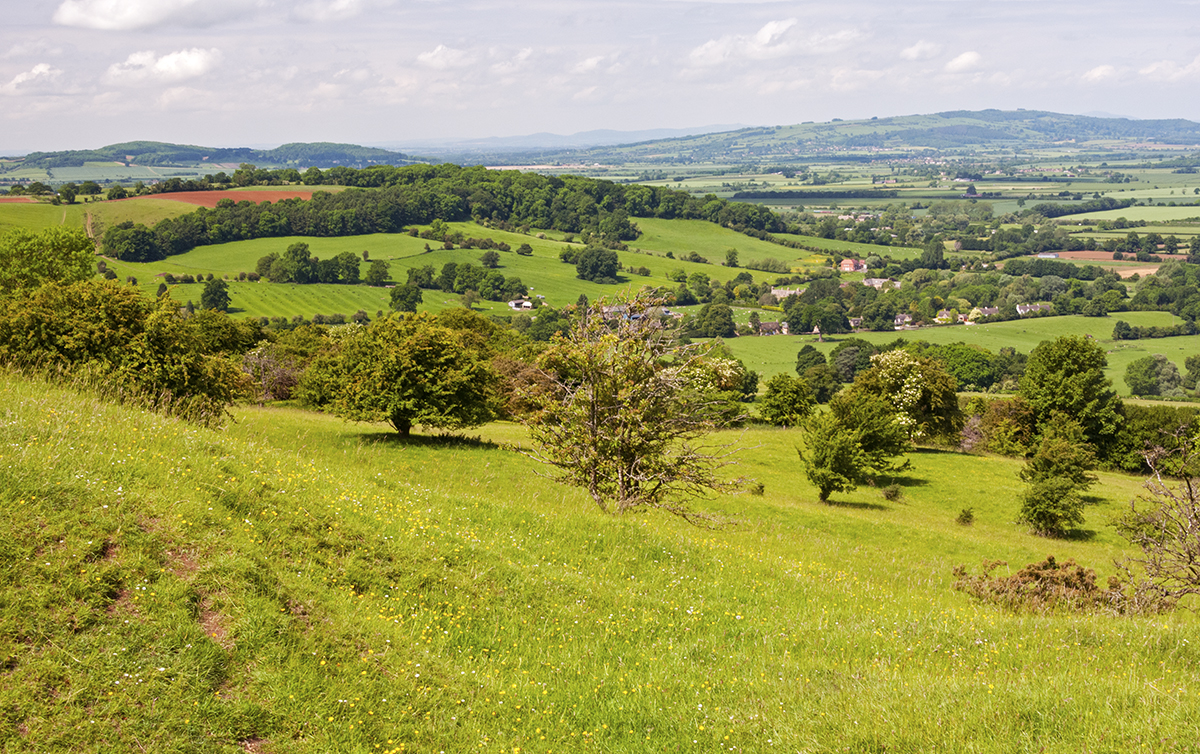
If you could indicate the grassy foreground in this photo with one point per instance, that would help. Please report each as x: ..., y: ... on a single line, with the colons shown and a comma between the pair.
x: 293, y: 583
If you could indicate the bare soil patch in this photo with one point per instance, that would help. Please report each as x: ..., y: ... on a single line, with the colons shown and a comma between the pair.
x: 17, y: 200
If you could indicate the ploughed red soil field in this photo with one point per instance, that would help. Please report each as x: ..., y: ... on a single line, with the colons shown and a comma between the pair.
x: 16, y: 200
x: 210, y: 198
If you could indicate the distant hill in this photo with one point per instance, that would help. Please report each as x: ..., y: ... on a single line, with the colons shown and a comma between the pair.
x: 159, y: 154
x: 543, y: 141
x: 952, y: 131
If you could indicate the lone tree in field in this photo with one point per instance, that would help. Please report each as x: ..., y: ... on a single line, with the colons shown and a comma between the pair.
x: 619, y: 413
x: 853, y: 443
x: 411, y: 370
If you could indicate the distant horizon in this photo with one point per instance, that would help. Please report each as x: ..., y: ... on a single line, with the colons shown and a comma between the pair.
x: 447, y: 142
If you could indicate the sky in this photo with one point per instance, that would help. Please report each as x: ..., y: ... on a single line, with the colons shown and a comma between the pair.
x: 76, y: 74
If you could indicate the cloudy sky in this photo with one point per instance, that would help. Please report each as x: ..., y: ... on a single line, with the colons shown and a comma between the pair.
x: 85, y: 73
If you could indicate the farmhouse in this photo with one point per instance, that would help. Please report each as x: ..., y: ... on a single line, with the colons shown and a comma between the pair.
x: 520, y: 304
x: 1026, y: 309
x: 853, y: 265
x: 903, y: 320
x: 781, y: 293
x: 773, y: 328
x: 880, y: 283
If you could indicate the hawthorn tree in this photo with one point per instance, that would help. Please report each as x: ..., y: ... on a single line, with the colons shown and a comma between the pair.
x: 1164, y: 523
x: 618, y: 412
x: 921, y: 392
x: 29, y: 259
x: 855, y: 442
x: 410, y: 370
x: 787, y: 402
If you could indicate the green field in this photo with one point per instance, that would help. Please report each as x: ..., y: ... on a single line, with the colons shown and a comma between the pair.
x: 1149, y: 214
x: 776, y: 354
x: 294, y: 583
x: 711, y: 241
x: 542, y: 271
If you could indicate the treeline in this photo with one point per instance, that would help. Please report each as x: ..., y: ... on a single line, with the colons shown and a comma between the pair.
x: 1093, y: 205
x: 599, y: 211
x: 1042, y: 267
x: 1125, y: 331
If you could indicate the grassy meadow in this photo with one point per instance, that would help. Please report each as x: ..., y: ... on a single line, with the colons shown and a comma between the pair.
x: 293, y: 583
x: 776, y: 354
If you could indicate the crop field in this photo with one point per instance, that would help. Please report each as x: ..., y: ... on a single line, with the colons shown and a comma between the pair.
x: 776, y: 354
x: 296, y: 583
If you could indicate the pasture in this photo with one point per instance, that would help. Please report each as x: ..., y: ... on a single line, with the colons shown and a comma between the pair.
x: 776, y: 354
x: 295, y: 583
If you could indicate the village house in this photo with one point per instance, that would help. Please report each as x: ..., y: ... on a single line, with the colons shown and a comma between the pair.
x: 853, y: 265
x: 1026, y: 309
x: 773, y: 328
x: 880, y: 283
x: 903, y: 321
x: 781, y: 293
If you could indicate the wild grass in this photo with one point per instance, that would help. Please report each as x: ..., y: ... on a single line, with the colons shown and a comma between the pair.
x: 296, y: 584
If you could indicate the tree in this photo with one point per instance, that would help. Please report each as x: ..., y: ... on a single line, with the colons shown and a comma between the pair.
x: 131, y: 242
x: 1164, y: 523
x: 922, y: 394
x: 1067, y: 375
x: 617, y: 414
x: 597, y: 265
x: 215, y: 295
x: 808, y: 357
x: 67, y: 192
x: 117, y: 192
x: 1050, y: 506
x: 29, y: 259
x: 410, y: 371
x: 489, y: 259
x: 787, y: 402
x: 377, y: 273
x: 716, y: 321
x: 1153, y: 375
x: 404, y: 298
x: 850, y: 445
x: 731, y: 258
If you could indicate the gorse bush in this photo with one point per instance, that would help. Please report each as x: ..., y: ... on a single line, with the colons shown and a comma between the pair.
x: 1040, y: 587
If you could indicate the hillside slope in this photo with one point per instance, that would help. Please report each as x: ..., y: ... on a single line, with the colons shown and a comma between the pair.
x: 295, y: 584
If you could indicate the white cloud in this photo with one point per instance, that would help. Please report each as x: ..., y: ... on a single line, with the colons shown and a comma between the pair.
x: 125, y: 15
x: 1100, y: 73
x: 922, y: 50
x: 766, y: 43
x: 111, y: 15
x: 442, y: 58
x: 31, y: 80
x: 1169, y: 70
x: 513, y: 64
x: 966, y: 62
x: 331, y: 10
x: 174, y: 66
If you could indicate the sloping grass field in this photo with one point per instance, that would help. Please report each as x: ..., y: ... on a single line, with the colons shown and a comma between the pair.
x: 296, y: 584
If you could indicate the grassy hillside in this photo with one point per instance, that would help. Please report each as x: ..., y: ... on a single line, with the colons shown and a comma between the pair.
x: 296, y: 584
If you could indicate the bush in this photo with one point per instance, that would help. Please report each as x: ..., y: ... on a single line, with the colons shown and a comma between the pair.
x: 1039, y: 587
x: 965, y: 517
x: 892, y: 493
x: 1050, y: 506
